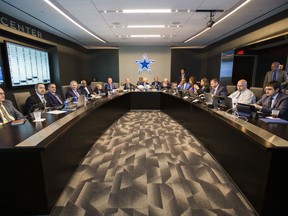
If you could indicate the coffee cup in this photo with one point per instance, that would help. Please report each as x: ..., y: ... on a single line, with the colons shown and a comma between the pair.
x: 37, y: 115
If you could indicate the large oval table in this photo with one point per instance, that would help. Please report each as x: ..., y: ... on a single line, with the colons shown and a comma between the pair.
x: 38, y: 159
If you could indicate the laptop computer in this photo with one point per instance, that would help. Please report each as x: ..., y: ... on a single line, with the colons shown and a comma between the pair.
x: 228, y: 103
x: 208, y: 98
x: 245, y: 109
x: 81, y: 101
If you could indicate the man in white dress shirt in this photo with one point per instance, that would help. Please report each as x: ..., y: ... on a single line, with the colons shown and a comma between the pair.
x: 243, y: 94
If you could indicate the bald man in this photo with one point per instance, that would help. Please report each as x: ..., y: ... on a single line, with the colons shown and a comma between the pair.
x: 243, y: 94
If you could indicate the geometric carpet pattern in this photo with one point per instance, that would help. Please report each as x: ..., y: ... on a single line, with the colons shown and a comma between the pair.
x: 148, y: 164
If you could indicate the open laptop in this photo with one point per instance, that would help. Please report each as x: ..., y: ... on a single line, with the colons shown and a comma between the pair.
x: 228, y: 103
x: 245, y: 109
x: 208, y: 98
x: 81, y: 101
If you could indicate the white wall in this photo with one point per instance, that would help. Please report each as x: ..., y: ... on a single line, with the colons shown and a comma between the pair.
x: 128, y: 67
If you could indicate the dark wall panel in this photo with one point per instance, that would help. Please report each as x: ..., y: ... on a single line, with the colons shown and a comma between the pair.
x: 243, y: 69
x: 104, y: 64
x: 185, y: 58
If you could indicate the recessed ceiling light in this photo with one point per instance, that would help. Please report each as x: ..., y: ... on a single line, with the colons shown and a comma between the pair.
x: 147, y: 11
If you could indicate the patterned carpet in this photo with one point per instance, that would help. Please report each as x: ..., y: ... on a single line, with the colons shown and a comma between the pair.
x: 148, y: 164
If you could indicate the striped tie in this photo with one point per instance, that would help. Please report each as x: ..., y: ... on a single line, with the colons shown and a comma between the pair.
x: 274, y: 76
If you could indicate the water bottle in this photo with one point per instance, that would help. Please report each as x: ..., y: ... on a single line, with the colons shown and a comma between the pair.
x: 66, y: 104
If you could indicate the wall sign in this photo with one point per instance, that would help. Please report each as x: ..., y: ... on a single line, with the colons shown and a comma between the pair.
x: 144, y: 64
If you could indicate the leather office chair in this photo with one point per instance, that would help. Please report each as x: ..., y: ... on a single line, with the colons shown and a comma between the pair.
x: 65, y: 89
x: 20, y: 99
x: 258, y: 92
x: 231, y: 89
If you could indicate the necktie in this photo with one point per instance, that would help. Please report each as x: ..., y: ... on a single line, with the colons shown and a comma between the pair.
x: 43, y: 100
x: 86, y: 89
x: 77, y: 94
x: 238, y: 95
x: 5, y: 116
x: 274, y: 76
x: 270, y: 102
x: 58, y: 99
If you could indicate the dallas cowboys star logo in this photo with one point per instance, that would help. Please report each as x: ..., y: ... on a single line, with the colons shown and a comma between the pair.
x: 144, y: 64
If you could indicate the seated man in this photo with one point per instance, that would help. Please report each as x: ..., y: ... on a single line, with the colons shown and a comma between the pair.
x: 54, y: 97
x: 74, y: 92
x: 98, y: 89
x: 165, y: 84
x: 183, y: 85
x: 273, y: 99
x: 128, y: 85
x: 39, y: 98
x: 109, y: 86
x: 7, y: 111
x: 217, y: 89
x: 243, y: 94
x: 156, y: 83
x: 86, y: 89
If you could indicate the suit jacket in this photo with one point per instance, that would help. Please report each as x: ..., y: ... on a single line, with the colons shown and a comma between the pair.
x: 84, y: 92
x: 109, y: 87
x: 53, y: 99
x: 187, y: 86
x: 71, y: 93
x: 280, y: 103
x: 203, y: 89
x: 98, y: 91
x: 221, y: 91
x: 180, y: 78
x: 12, y: 110
x: 34, y: 99
x: 282, y: 77
x: 130, y: 87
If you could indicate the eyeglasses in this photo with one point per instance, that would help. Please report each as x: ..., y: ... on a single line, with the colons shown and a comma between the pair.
x: 269, y: 89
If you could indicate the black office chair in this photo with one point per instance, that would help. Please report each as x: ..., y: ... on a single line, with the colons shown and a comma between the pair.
x: 20, y: 99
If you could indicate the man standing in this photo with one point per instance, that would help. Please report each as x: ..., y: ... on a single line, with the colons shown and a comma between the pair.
x: 7, y: 111
x: 54, y: 97
x: 275, y: 75
x: 243, y: 94
x: 273, y: 99
x: 39, y: 99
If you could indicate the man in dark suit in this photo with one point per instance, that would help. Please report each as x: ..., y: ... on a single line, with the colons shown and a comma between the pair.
x: 7, y: 111
x: 273, y: 99
x: 128, y: 85
x: 276, y: 74
x: 182, y: 75
x: 217, y: 89
x: 55, y: 98
x: 39, y: 99
x: 86, y: 89
x: 74, y: 92
x: 156, y: 83
x: 109, y: 86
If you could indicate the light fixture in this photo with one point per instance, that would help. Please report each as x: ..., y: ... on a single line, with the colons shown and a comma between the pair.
x: 147, y: 11
x: 236, y: 9
x: 73, y: 21
x: 145, y: 36
x: 146, y: 26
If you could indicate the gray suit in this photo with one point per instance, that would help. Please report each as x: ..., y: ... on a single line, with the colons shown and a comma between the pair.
x: 281, y: 103
x: 282, y: 77
x: 12, y: 110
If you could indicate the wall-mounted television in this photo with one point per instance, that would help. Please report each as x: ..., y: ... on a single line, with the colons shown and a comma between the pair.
x: 27, y: 65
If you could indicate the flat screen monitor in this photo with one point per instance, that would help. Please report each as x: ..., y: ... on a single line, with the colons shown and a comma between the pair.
x: 27, y: 65
x: 1, y: 75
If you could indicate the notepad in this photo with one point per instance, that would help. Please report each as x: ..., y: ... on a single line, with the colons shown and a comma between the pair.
x: 273, y: 120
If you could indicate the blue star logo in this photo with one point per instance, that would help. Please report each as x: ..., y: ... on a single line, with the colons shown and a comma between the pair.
x: 144, y: 64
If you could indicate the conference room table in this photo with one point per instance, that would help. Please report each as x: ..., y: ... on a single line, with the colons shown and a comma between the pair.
x: 37, y: 159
